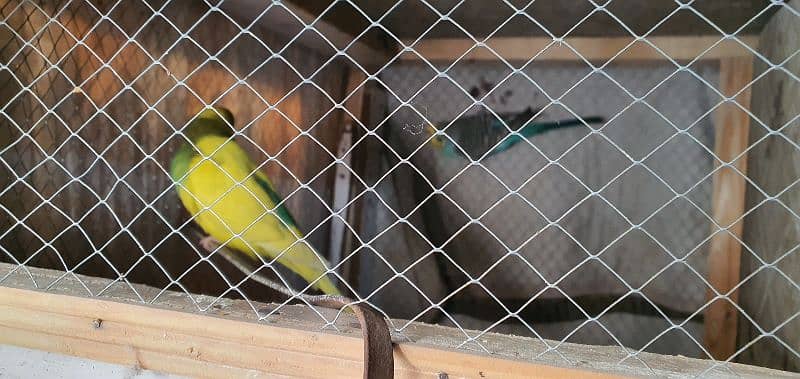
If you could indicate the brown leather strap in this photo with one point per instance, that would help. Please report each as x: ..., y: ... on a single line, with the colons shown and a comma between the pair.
x: 378, y: 352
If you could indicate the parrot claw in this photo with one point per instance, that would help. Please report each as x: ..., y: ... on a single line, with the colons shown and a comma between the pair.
x: 209, y: 243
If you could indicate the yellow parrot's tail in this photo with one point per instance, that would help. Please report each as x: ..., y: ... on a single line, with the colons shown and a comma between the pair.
x: 326, y: 285
x: 303, y: 260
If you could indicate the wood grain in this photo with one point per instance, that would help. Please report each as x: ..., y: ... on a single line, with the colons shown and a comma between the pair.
x: 728, y: 199
x: 124, y: 355
x: 591, y: 48
x: 227, y: 341
x: 356, y: 106
x: 283, y: 19
x: 573, y: 17
x: 128, y: 330
x: 770, y: 297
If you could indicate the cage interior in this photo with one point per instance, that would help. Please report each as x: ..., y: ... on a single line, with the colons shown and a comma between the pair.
x: 597, y: 233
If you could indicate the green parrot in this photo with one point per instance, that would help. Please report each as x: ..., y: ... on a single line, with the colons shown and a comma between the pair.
x: 477, y: 133
x: 235, y: 203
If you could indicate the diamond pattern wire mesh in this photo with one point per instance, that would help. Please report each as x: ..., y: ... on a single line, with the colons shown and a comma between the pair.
x: 554, y: 192
x: 95, y: 94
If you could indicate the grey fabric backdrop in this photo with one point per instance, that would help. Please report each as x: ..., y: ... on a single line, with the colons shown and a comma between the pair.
x: 592, y: 223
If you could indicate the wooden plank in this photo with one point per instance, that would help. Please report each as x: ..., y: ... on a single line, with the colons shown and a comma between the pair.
x: 771, y: 231
x: 168, y: 335
x: 226, y: 341
x: 355, y: 104
x: 165, y: 341
x: 728, y: 199
x: 578, y: 17
x: 279, y: 21
x: 123, y: 355
x: 592, y: 48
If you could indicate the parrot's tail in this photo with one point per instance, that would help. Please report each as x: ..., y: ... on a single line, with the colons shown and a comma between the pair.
x: 535, y: 128
x: 306, y: 262
x: 325, y: 284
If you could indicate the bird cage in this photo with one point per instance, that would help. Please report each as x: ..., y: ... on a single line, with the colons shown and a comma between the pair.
x: 517, y: 188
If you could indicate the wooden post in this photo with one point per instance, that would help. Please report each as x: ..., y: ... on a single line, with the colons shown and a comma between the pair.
x: 355, y: 104
x: 770, y: 297
x: 731, y: 130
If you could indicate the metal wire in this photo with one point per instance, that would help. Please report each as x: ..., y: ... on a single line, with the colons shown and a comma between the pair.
x: 44, y: 86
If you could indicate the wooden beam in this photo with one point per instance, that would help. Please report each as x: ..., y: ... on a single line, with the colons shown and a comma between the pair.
x: 732, y: 127
x: 169, y: 335
x: 772, y: 232
x: 592, y: 48
x: 354, y: 104
x: 123, y: 355
x: 279, y: 21
x: 169, y: 341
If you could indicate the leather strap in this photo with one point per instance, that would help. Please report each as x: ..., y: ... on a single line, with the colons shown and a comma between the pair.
x: 378, y: 352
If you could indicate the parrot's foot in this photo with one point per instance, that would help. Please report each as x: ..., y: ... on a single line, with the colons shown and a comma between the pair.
x: 209, y: 243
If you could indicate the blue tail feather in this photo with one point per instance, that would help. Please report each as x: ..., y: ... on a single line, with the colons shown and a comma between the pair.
x: 533, y: 128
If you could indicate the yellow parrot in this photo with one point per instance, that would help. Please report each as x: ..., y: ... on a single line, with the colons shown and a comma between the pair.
x: 235, y: 203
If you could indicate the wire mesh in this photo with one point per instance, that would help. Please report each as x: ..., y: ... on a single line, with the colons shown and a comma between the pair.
x: 596, y: 234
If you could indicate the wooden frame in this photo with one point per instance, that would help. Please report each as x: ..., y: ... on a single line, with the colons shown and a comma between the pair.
x: 728, y: 202
x: 356, y: 105
x: 176, y: 340
x: 732, y: 124
x: 227, y: 341
x: 731, y: 133
x: 591, y: 48
x: 276, y: 22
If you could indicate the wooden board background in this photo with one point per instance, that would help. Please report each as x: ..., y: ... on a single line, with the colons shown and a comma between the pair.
x: 772, y: 230
x: 146, y: 100
x: 410, y: 19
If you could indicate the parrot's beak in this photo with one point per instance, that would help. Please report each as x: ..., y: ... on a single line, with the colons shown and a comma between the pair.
x: 436, y: 141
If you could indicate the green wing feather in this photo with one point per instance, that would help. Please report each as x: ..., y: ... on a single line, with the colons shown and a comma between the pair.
x: 179, y: 165
x: 281, y: 211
